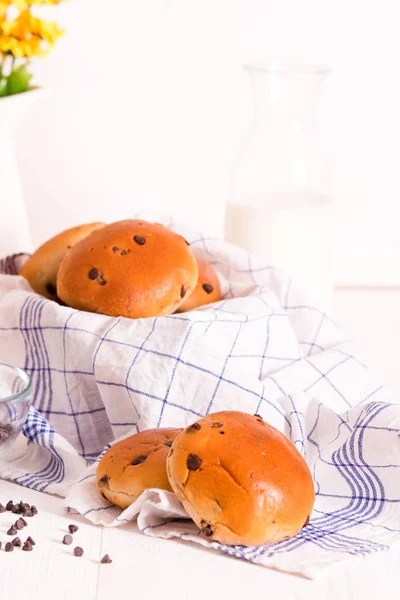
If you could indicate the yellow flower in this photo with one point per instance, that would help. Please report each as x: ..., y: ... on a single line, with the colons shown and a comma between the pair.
x: 35, y: 36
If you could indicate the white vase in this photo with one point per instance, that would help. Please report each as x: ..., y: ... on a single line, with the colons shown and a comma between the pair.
x: 14, y: 227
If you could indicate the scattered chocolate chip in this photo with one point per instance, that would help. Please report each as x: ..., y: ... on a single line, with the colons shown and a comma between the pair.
x: 10, y: 505
x: 139, y: 239
x: 93, y: 274
x: 25, y: 505
x: 217, y: 424
x: 16, y: 509
x: 103, y: 481
x: 67, y: 539
x: 2, y: 508
x: 183, y: 291
x: 12, y: 531
x: 34, y: 510
x: 73, y: 528
x: 16, y: 542
x: 32, y: 541
x: 138, y: 460
x: 78, y: 551
x: 193, y: 462
x: 119, y: 251
x: 9, y: 547
x: 208, y: 288
x: 28, y: 513
x: 207, y: 531
x: 51, y: 289
x: 106, y: 560
x: 19, y: 524
x: 24, y: 523
x: 27, y: 547
x: 307, y: 521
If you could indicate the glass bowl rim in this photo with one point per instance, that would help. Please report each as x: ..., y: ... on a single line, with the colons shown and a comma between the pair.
x: 27, y: 379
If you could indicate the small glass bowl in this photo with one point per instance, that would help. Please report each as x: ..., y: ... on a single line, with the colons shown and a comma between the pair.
x: 15, y: 400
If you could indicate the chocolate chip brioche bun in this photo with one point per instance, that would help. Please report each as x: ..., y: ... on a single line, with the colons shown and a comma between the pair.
x: 240, y: 480
x: 129, y: 268
x: 134, y: 465
x: 41, y: 268
x: 207, y: 289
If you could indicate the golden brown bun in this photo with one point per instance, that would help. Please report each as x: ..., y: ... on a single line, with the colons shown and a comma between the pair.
x: 130, y: 268
x: 134, y: 465
x: 207, y: 289
x: 42, y: 267
x: 241, y: 480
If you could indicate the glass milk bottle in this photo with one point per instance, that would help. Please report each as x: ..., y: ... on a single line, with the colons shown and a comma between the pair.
x: 279, y: 204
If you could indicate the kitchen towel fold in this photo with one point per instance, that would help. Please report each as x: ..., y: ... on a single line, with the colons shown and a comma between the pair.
x: 263, y: 349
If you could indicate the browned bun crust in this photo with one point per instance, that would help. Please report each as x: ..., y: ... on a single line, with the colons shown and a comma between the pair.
x: 122, y: 482
x: 240, y: 480
x: 129, y: 268
x: 207, y: 289
x: 42, y: 267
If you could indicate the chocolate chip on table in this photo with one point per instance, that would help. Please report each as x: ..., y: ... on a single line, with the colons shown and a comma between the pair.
x: 193, y: 462
x: 78, y: 551
x: 16, y: 542
x: 73, y: 528
x: 217, y: 424
x: 139, y: 239
x: 31, y: 540
x: 9, y: 547
x: 51, y: 289
x: 183, y: 291
x: 2, y: 508
x: 12, y: 531
x: 138, y: 460
x: 34, y: 510
x: 67, y: 539
x: 106, y: 560
x: 208, y: 288
x: 19, y: 524
x: 169, y: 444
x: 10, y: 505
x: 16, y: 509
x: 27, y: 547
x: 23, y: 521
x: 28, y: 513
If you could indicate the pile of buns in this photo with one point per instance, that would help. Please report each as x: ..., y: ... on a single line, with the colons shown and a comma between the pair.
x: 239, y: 479
x: 129, y: 268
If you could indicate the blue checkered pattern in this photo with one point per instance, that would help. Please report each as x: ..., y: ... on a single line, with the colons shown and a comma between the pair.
x: 263, y: 349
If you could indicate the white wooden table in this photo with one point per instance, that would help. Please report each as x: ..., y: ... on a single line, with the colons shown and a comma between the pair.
x: 149, y: 568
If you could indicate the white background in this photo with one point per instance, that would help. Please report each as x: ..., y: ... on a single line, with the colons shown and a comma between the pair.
x: 149, y: 104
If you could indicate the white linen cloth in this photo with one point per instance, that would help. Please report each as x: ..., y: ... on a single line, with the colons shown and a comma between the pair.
x: 265, y: 348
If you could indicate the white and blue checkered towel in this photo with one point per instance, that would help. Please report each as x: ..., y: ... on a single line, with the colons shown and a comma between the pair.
x: 263, y: 349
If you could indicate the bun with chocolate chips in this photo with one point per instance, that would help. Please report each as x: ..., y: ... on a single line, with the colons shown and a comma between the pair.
x: 41, y: 268
x: 129, y: 268
x: 134, y: 465
x: 241, y: 480
x: 207, y: 289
